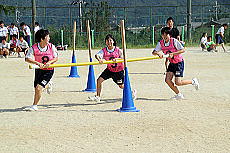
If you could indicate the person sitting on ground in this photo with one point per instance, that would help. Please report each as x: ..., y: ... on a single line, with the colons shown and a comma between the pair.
x: 13, y: 44
x: 4, y: 48
x: 211, y: 46
x: 22, y: 46
x: 203, y: 41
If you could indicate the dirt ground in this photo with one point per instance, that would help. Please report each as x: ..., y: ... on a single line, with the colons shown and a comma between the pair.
x: 68, y: 123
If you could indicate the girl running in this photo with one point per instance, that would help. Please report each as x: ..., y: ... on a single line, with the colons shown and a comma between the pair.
x: 44, y: 54
x: 175, y: 68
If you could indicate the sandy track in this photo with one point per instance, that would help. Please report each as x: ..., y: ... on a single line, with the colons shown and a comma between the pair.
x: 68, y: 122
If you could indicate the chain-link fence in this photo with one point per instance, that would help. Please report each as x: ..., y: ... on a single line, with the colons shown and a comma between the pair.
x: 143, y: 23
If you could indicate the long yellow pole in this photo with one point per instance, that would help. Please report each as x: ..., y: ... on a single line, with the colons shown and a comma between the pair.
x: 97, y: 63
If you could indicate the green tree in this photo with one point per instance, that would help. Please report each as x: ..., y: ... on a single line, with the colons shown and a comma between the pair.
x: 7, y: 9
x: 98, y: 14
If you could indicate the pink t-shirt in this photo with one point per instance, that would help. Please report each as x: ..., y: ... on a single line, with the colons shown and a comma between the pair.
x: 171, y: 49
x: 43, y: 57
x: 116, y: 67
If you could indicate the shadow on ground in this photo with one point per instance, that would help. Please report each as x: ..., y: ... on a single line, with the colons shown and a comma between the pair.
x: 89, y: 103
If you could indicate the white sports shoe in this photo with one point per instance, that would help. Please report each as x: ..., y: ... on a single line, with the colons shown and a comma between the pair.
x: 134, y: 94
x: 179, y: 96
x: 195, y: 83
x: 95, y: 98
x: 31, y: 108
x: 49, y: 87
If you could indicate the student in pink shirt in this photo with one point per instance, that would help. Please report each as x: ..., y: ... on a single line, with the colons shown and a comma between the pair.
x: 114, y: 71
x: 42, y: 53
x: 175, y: 68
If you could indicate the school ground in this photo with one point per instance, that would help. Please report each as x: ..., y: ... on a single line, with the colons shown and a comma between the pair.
x: 68, y: 123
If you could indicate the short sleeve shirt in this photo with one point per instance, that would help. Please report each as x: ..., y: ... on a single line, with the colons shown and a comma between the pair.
x: 13, y: 31
x: 177, y: 44
x: 3, y: 32
x: 101, y: 53
x: 220, y: 30
x: 203, y: 40
x: 27, y: 29
x: 208, y: 44
x: 7, y: 45
x: 30, y: 53
x: 22, y: 44
x: 36, y: 29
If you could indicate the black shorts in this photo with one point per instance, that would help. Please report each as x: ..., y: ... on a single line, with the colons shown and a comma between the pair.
x: 42, y: 77
x: 23, y: 50
x: 11, y: 49
x: 118, y: 77
x: 177, y: 69
x: 202, y: 46
x: 210, y: 49
x: 1, y: 37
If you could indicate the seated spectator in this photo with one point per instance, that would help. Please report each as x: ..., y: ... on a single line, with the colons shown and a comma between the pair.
x: 22, y: 46
x: 13, y: 44
x: 4, y: 48
x: 211, y: 46
x: 203, y: 41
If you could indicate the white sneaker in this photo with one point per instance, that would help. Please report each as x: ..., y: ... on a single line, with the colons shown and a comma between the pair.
x: 95, y: 98
x: 31, y: 108
x: 49, y: 87
x: 134, y: 94
x: 195, y: 83
x: 179, y: 96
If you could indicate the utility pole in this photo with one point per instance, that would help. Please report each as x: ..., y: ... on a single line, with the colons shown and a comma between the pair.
x: 189, y: 19
x: 80, y: 2
x: 33, y: 18
x: 216, y: 10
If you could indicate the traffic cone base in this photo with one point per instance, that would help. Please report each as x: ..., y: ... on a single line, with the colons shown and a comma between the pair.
x: 91, y: 85
x: 73, y: 71
x: 127, y: 100
x: 133, y: 109
x: 74, y: 76
x: 89, y: 90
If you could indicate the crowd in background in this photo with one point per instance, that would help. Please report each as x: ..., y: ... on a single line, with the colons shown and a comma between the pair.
x: 14, y: 40
x: 208, y: 44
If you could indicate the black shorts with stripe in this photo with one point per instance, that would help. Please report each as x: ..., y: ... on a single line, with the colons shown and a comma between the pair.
x: 176, y: 68
x: 118, y: 77
x: 42, y: 77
